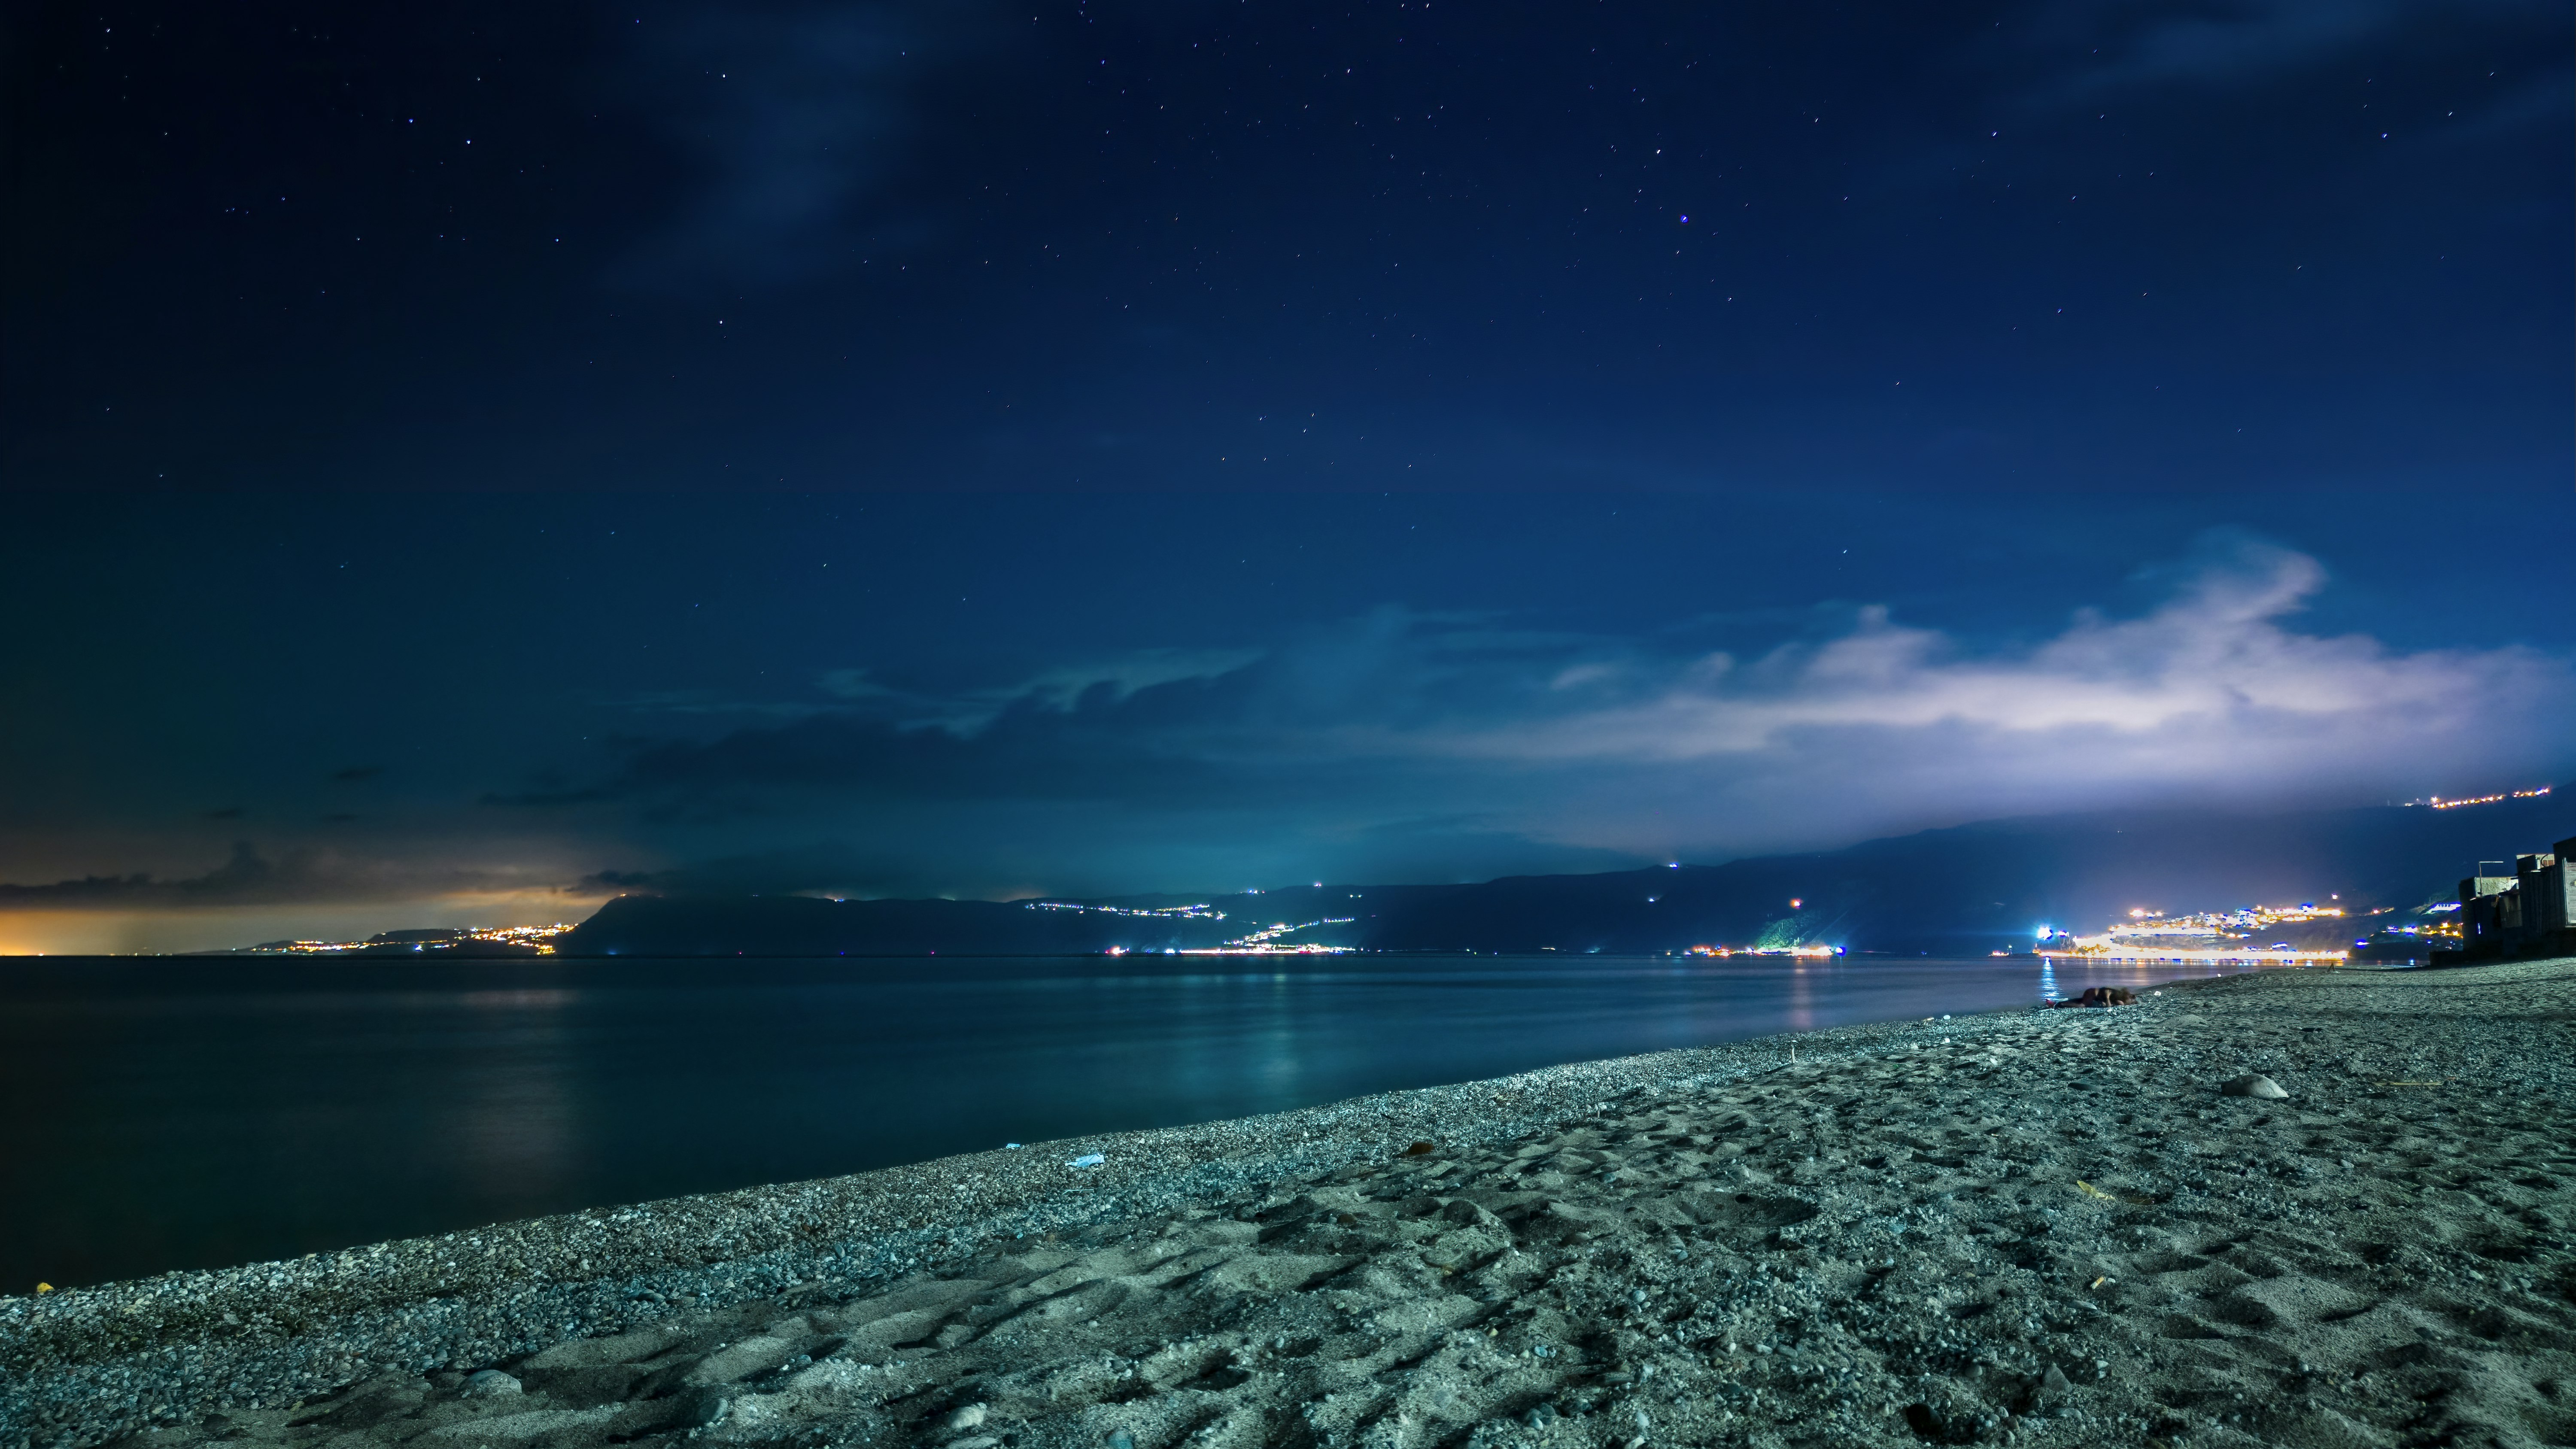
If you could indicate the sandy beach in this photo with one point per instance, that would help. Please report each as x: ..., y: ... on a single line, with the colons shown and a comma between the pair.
x: 2039, y: 1227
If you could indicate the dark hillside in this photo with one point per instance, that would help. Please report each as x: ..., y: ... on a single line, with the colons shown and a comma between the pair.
x: 1966, y: 890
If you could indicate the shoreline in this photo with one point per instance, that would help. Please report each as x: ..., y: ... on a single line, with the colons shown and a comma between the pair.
x: 226, y: 1353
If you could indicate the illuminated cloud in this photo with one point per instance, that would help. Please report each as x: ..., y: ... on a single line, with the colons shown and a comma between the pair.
x: 2215, y: 686
x: 2214, y: 697
x: 249, y: 877
x: 1453, y: 733
x: 1404, y: 745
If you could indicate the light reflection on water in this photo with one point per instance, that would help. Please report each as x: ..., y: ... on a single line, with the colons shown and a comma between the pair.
x: 517, y: 1126
x: 167, y: 1114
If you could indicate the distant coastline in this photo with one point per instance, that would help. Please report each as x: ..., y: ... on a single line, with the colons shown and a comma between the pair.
x: 2129, y: 880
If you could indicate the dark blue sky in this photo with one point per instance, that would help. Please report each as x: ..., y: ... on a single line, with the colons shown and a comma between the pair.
x: 463, y: 461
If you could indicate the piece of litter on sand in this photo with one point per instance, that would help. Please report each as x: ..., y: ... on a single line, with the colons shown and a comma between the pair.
x: 2098, y: 1282
x: 2256, y: 1085
x: 1010, y: 1147
x: 1420, y: 1149
x: 1088, y: 1159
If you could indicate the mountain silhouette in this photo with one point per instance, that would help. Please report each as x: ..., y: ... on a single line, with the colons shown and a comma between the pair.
x: 1966, y: 890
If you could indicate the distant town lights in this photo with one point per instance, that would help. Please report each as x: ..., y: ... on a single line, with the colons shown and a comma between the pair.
x: 2438, y: 803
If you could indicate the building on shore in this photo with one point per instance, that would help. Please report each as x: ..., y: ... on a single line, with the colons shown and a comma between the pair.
x: 2531, y: 912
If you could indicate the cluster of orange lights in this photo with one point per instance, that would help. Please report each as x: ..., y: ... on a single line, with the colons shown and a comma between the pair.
x: 2438, y: 803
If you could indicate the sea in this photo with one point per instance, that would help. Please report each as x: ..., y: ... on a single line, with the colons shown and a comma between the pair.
x: 170, y: 1113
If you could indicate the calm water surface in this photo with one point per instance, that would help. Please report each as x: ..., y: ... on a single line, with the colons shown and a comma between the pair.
x: 177, y: 1114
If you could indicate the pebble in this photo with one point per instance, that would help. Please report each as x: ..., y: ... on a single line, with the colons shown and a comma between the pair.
x: 2254, y: 1084
x: 489, y: 1382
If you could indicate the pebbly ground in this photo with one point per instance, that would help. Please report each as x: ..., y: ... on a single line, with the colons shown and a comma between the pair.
x: 2030, y: 1228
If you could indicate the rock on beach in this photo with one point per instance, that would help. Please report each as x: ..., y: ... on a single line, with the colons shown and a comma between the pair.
x: 2033, y: 1228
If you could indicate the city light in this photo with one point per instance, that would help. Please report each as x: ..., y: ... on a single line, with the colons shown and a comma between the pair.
x: 1167, y: 913
x: 2085, y: 950
x: 2236, y: 923
x: 2438, y: 803
x: 2212, y: 936
x: 1266, y: 941
x: 539, y: 939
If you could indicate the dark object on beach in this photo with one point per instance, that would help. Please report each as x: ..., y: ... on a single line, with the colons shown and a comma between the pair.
x: 1925, y: 1423
x: 1420, y: 1149
x: 2254, y: 1084
x: 2101, y: 996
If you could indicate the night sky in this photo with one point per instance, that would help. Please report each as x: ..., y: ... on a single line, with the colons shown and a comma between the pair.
x: 464, y: 461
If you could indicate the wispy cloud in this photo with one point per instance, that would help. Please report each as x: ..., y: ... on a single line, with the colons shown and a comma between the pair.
x: 1400, y: 744
x: 2215, y: 694
x: 2219, y: 661
x: 1056, y: 687
x: 794, y: 119
x: 248, y: 877
x: 2123, y: 42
